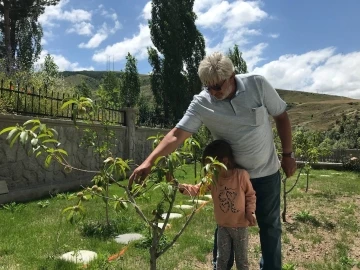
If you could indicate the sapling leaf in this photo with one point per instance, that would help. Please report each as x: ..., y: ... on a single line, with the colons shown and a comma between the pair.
x: 14, y: 139
x: 50, y: 141
x: 48, y: 161
x: 7, y: 129
x: 67, y: 103
x: 24, y: 135
x: 67, y: 209
x: 32, y: 121
x: 11, y: 133
x: 42, y: 127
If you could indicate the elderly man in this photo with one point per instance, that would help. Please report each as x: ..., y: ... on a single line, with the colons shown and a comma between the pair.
x: 236, y: 108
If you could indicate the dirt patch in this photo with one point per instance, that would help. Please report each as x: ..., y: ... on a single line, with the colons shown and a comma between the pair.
x: 314, y: 241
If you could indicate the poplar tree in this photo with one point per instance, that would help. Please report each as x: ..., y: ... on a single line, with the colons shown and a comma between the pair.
x: 179, y: 49
x: 239, y: 63
x: 20, y: 31
x: 130, y: 83
x: 109, y: 92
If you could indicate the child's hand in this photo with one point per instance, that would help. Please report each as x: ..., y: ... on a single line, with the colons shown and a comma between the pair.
x: 251, y: 218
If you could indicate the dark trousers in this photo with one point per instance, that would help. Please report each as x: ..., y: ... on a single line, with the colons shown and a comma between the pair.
x: 231, y: 258
x: 268, y: 217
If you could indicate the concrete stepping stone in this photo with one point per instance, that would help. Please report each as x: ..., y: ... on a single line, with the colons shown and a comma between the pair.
x: 161, y: 225
x: 208, y: 196
x: 198, y: 201
x: 172, y: 215
x: 80, y: 256
x: 128, y: 237
x: 183, y: 206
x: 324, y: 175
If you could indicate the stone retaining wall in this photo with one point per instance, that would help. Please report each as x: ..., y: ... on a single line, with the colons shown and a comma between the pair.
x: 24, y: 177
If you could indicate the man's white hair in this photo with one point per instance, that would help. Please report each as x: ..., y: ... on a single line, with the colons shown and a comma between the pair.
x: 215, y: 68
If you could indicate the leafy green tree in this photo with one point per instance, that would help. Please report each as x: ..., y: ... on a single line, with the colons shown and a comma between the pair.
x: 83, y: 90
x: 49, y: 72
x: 21, y: 31
x: 109, y: 91
x: 309, y: 146
x: 239, y: 63
x: 130, y: 83
x: 192, y: 146
x: 29, y: 40
x: 146, y: 111
x: 49, y: 67
x: 174, y: 78
x: 347, y: 132
x: 42, y: 141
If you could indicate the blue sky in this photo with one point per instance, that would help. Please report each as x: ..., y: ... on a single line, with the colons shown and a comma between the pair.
x: 302, y: 45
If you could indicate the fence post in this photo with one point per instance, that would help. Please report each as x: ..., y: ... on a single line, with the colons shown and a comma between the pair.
x: 130, y: 138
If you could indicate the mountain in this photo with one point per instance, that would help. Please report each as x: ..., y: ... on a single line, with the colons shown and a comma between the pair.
x: 310, y: 110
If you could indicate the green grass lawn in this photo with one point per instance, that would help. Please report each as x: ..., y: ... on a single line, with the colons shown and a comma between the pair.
x: 322, y: 232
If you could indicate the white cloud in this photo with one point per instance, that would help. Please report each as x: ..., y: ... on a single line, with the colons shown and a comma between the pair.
x: 227, y: 15
x: 101, y: 35
x: 62, y: 62
x: 146, y: 13
x: 95, y: 41
x: 230, y: 23
x: 321, y: 71
x: 214, y: 16
x: 274, y: 35
x: 56, y: 13
x: 200, y: 5
x: 136, y: 46
x: 104, y: 31
x: 82, y: 28
x: 243, y: 13
x: 253, y: 55
x: 76, y: 15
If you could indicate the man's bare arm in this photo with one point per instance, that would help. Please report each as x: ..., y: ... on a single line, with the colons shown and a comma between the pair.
x: 283, y: 127
x: 169, y: 143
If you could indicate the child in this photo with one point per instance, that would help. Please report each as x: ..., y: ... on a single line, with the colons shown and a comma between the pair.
x: 234, y: 204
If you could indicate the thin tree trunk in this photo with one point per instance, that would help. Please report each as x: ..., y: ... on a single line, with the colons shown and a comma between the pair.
x: 153, y: 248
x: 195, y: 166
x: 307, y: 182
x: 13, y: 42
x: 7, y: 34
x: 107, y: 203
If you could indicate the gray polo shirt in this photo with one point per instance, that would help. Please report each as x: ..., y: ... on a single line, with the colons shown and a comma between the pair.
x: 242, y: 121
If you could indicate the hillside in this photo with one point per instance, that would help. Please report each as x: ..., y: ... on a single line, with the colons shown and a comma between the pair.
x: 310, y: 110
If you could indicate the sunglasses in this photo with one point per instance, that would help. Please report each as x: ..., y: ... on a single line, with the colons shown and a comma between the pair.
x: 217, y: 87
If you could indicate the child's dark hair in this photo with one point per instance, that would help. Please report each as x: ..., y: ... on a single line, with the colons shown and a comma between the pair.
x: 219, y: 149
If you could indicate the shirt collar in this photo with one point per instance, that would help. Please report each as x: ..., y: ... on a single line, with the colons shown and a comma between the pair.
x: 240, y: 87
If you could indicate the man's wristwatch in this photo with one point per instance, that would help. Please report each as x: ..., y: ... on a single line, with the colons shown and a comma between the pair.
x: 290, y: 155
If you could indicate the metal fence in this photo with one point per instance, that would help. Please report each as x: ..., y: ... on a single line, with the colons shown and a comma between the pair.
x: 43, y: 103
x: 337, y: 156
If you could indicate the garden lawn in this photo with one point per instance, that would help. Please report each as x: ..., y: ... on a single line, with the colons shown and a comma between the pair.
x: 322, y: 232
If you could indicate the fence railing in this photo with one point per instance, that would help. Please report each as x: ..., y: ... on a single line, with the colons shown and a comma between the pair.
x: 338, y: 156
x: 43, y: 103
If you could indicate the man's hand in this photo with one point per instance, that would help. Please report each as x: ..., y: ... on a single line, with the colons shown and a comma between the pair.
x: 168, y: 144
x: 140, y: 173
x: 288, y: 165
x: 251, y: 218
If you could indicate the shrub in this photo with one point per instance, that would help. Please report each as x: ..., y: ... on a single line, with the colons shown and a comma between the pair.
x: 351, y: 164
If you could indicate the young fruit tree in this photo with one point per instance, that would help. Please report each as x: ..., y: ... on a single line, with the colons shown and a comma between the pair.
x: 40, y: 140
